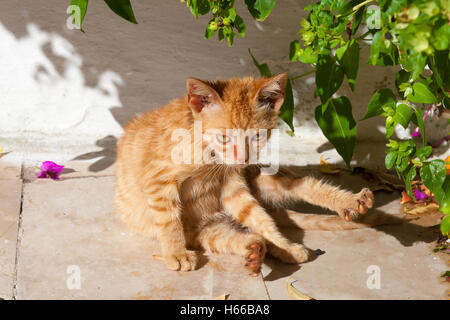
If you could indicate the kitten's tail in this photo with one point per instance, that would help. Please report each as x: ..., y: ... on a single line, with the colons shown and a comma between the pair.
x: 308, y: 221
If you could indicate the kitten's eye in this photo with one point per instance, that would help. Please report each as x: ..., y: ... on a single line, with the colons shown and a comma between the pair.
x: 261, y: 138
x: 221, y: 138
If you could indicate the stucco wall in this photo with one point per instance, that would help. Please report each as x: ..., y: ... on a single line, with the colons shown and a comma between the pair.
x: 60, y: 87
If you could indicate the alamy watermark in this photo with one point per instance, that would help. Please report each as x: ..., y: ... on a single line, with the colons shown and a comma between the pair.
x: 374, y: 280
x: 74, y: 19
x: 373, y: 18
x: 73, y: 281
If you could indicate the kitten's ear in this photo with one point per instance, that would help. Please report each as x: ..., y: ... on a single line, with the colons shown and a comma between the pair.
x: 272, y: 92
x: 201, y: 95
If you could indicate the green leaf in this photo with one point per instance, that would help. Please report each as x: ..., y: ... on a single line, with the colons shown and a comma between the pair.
x: 412, y: 172
x: 287, y: 109
x: 424, y: 152
x: 329, y: 77
x: 405, y: 145
x: 82, y: 5
x: 232, y: 14
x: 239, y: 24
x: 441, y: 37
x: 419, y: 62
x: 421, y: 94
x: 308, y: 55
x: 192, y: 4
x: 349, y: 61
x: 260, y: 9
x: 220, y: 35
x: 336, y: 121
x: 380, y: 55
x: 389, y: 161
x: 357, y: 18
x: 230, y: 38
x: 402, y: 163
x: 440, y: 64
x: 445, y: 225
x: 390, y: 127
x: 433, y: 175
x: 444, y: 201
x: 198, y: 7
x: 203, y: 7
x: 208, y: 32
x: 381, y: 98
x: 263, y: 68
x: 122, y: 8
x: 409, y: 175
x: 417, y: 119
x: 403, y: 115
x: 294, y: 48
x: 401, y: 78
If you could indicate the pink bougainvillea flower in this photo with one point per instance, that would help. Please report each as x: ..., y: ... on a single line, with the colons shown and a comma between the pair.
x: 416, y: 133
x: 420, y: 196
x: 50, y: 169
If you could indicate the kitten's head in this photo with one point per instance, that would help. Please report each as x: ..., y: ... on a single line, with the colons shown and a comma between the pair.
x: 237, y: 114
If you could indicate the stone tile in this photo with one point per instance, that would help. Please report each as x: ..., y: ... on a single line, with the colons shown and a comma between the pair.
x: 408, y: 270
x: 10, y: 165
x: 232, y: 279
x: 408, y: 267
x: 72, y: 223
x: 10, y: 197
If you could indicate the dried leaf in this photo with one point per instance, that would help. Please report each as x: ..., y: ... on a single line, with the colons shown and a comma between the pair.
x: 222, y: 297
x: 418, y: 208
x: 390, y: 178
x: 426, y: 190
x: 294, y: 293
x: 157, y: 257
x: 405, y: 197
x: 382, y: 187
x: 327, y: 168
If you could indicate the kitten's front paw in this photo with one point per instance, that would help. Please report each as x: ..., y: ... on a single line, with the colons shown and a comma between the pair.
x: 296, y: 253
x: 182, y: 261
x: 359, y: 205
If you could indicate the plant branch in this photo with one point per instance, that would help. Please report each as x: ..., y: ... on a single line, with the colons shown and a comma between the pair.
x: 362, y: 36
x: 303, y: 75
x: 354, y: 9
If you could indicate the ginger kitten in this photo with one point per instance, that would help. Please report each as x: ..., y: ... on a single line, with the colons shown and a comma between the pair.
x: 213, y: 204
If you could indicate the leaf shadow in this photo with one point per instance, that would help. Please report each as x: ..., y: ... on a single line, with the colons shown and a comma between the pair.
x: 107, y: 156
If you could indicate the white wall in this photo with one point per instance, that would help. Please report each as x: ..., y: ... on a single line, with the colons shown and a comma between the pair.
x: 62, y: 88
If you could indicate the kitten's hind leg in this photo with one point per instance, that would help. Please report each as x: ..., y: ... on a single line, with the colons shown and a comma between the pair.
x: 223, y: 237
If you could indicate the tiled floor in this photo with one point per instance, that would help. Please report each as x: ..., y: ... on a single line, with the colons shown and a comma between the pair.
x: 73, y: 246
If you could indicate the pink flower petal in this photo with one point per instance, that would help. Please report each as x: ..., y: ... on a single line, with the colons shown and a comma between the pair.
x: 420, y: 196
x: 50, y: 166
x: 416, y: 133
x: 42, y: 175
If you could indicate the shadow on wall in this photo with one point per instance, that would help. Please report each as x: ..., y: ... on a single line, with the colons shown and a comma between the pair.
x: 62, y: 81
x: 45, y: 90
x: 87, y: 86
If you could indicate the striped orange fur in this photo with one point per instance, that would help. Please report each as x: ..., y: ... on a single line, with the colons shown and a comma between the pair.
x: 217, y: 207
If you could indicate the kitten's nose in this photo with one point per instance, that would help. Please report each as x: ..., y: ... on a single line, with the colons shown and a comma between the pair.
x: 242, y: 158
x: 242, y: 155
